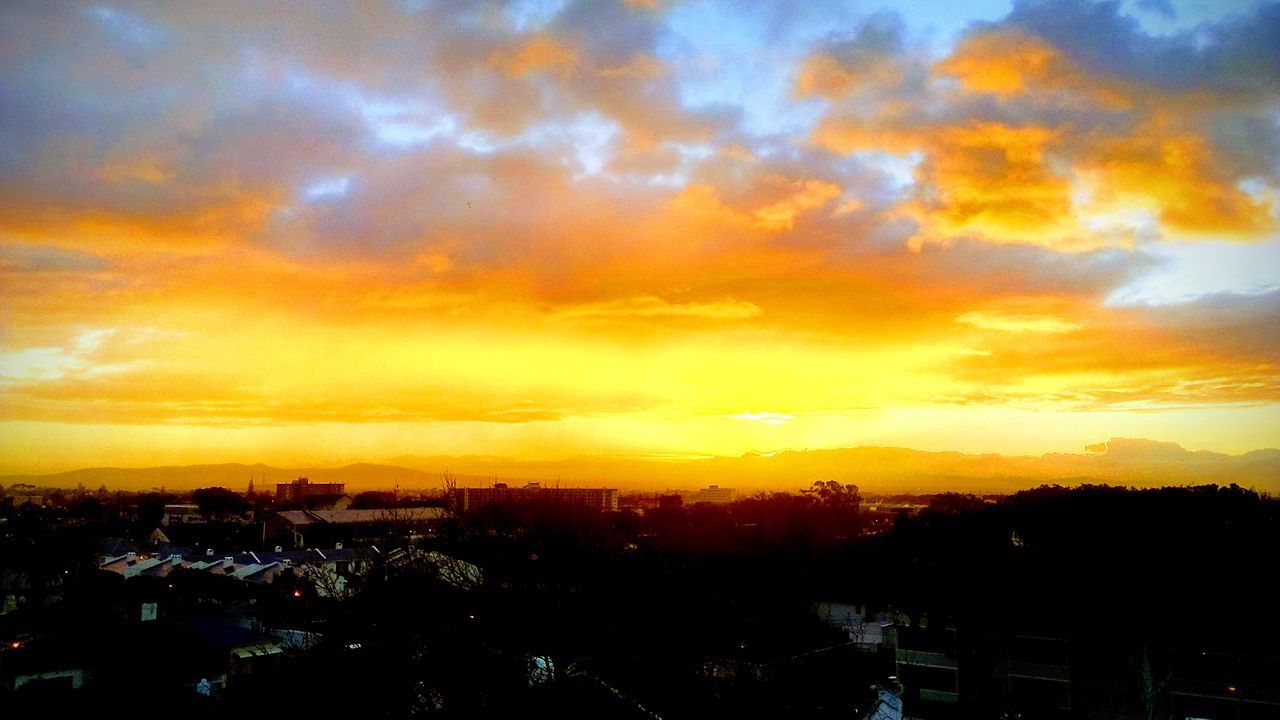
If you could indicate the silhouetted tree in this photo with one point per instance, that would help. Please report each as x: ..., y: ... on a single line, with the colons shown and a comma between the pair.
x: 833, y: 494
x: 219, y: 503
x: 373, y: 500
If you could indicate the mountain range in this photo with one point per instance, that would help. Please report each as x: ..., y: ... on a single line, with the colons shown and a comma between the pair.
x: 1119, y: 461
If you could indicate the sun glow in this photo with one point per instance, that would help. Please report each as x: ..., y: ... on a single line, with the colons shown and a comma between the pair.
x: 721, y: 232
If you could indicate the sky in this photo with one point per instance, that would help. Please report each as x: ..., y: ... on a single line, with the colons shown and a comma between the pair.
x: 316, y: 233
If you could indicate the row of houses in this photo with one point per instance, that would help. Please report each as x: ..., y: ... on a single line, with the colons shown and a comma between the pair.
x: 329, y: 568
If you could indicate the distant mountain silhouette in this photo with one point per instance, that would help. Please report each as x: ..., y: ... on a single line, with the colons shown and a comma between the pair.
x: 358, y: 476
x: 1119, y: 461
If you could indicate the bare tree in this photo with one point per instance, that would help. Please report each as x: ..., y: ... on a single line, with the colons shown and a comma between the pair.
x: 449, y: 489
x: 327, y: 580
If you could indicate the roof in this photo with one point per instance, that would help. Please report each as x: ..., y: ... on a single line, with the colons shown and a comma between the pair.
x: 250, y: 566
x: 355, y: 517
x: 264, y: 574
x: 222, y: 634
x: 257, y: 651
x: 113, y: 547
x: 163, y: 568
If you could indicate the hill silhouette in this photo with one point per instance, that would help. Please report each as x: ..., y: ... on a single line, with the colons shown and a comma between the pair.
x: 1122, y: 461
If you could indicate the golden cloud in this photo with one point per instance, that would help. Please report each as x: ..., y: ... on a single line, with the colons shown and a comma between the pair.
x: 539, y: 54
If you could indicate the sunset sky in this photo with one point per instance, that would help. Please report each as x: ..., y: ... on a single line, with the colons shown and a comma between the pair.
x: 316, y: 233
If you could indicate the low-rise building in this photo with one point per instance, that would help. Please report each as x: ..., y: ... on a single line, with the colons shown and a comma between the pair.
x: 605, y: 499
x: 20, y: 499
x: 300, y: 528
x: 715, y: 494
x: 182, y: 514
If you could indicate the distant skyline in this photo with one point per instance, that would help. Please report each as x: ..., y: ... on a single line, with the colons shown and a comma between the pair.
x: 310, y: 234
x: 1120, y: 461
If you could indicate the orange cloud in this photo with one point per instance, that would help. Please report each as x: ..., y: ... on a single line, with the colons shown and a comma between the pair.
x: 703, y: 201
x: 639, y: 66
x: 1078, y: 179
x: 1005, y: 62
x: 823, y: 75
x: 1009, y: 63
x: 541, y: 53
x: 211, y: 222
x: 1173, y: 173
x: 994, y: 182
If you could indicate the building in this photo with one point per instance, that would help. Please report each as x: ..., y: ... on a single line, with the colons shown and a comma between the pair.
x: 301, y: 528
x: 605, y: 499
x: 56, y: 664
x: 196, y: 655
x: 182, y: 514
x: 1213, y: 683
x: 191, y: 514
x: 253, y: 567
x: 303, y: 489
x: 928, y: 662
x: 1077, y: 672
x: 18, y: 501
x: 715, y: 494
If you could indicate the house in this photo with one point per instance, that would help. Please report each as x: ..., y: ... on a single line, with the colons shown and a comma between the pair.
x: 457, y: 573
x: 45, y: 664
x: 869, y: 632
x: 22, y: 587
x: 230, y: 651
x: 182, y: 514
x: 330, y: 569
x: 208, y: 652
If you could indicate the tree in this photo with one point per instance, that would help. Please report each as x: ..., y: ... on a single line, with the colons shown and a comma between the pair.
x: 151, y: 508
x: 834, y: 495
x: 838, y: 507
x: 219, y: 503
x: 373, y: 500
x: 952, y: 503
